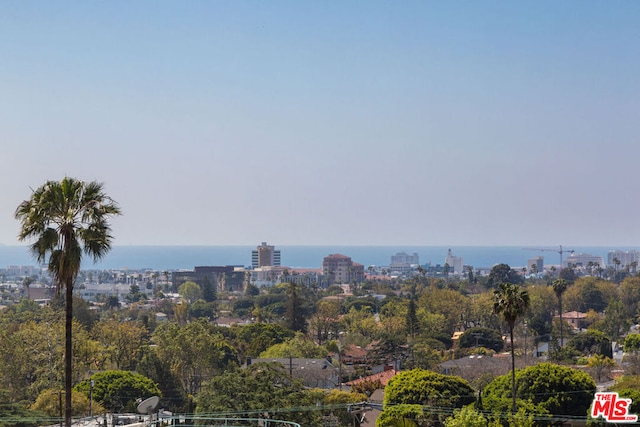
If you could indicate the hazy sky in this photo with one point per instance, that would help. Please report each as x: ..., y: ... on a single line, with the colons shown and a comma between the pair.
x: 330, y: 122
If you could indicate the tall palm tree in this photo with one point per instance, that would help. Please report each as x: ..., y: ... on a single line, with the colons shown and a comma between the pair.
x: 65, y: 219
x: 559, y: 287
x: 511, y: 302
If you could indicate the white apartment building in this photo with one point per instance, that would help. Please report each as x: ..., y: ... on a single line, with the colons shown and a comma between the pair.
x: 456, y: 263
x: 403, y: 262
x: 624, y: 257
x: 582, y: 260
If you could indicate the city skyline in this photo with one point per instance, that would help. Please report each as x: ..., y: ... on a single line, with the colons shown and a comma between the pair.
x: 314, y: 123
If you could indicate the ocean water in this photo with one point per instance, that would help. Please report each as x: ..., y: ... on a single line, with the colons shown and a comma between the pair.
x: 162, y: 258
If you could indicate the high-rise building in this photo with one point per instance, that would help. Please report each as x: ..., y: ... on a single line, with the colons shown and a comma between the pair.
x: 455, y: 263
x: 582, y: 260
x: 536, y: 264
x: 625, y: 258
x: 404, y: 258
x: 341, y: 269
x: 265, y: 256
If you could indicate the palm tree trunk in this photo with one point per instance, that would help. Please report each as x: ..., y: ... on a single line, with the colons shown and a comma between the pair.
x: 513, y: 373
x: 68, y: 349
x: 561, y: 323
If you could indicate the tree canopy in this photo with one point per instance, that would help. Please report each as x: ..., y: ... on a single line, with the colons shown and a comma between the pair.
x: 550, y: 388
x: 481, y: 337
x: 119, y: 390
x: 503, y: 273
x: 264, y: 387
x: 423, y: 387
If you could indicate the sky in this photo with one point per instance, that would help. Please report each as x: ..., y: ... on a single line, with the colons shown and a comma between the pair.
x: 329, y: 122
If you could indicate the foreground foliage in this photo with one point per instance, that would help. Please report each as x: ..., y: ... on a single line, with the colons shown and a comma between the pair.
x: 544, y: 389
x: 409, y: 392
x: 119, y: 391
x: 267, y: 390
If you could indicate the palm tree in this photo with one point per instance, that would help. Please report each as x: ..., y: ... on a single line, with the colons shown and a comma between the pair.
x: 65, y: 219
x: 559, y: 287
x: 511, y: 302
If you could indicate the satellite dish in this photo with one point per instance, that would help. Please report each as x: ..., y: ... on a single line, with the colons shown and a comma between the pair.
x: 149, y: 405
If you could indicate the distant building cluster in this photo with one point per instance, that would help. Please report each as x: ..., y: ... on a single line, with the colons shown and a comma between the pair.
x: 266, y: 269
x: 14, y: 271
x: 624, y: 258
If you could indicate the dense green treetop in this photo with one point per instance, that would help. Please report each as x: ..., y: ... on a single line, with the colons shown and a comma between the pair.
x: 298, y: 346
x: 632, y: 343
x: 260, y: 388
x: 551, y: 388
x: 423, y: 387
x: 592, y: 342
x: 119, y: 390
x: 481, y: 337
x: 503, y: 273
x: 190, y: 292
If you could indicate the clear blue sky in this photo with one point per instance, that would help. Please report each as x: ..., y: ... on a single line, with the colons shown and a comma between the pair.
x: 330, y: 122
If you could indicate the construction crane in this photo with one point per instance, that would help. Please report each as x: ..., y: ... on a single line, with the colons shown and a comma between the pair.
x: 560, y: 251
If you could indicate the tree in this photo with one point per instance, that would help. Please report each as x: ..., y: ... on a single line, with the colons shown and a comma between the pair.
x: 65, y: 219
x: 481, y: 337
x: 591, y: 342
x: 559, y: 287
x: 195, y: 352
x: 324, y: 322
x: 299, y: 346
x: 422, y: 387
x: 209, y: 293
x: 568, y: 274
x: 294, y: 315
x: 588, y: 293
x: 628, y: 386
x: 202, y: 309
x: 44, y: 342
x: 48, y: 402
x: 119, y: 390
x: 600, y: 365
x: 252, y: 339
x: 190, y: 292
x: 630, y: 294
x: 502, y: 273
x: 261, y: 386
x: 466, y: 417
x: 451, y: 304
x: 511, y: 302
x: 542, y: 308
x: 174, y: 398
x: 543, y: 388
x: 616, y: 321
x: 632, y: 343
x: 122, y: 341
